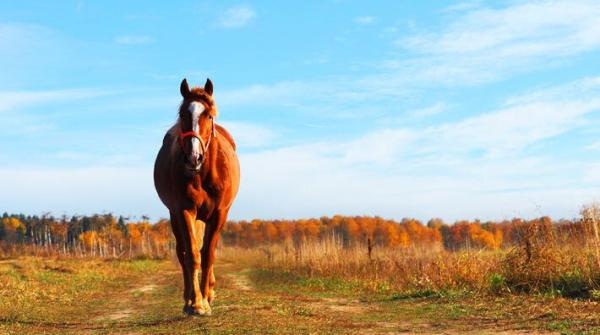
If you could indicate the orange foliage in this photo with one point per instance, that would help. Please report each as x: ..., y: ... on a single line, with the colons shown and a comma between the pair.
x: 102, y: 235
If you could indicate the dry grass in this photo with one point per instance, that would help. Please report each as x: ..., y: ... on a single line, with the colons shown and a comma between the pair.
x: 542, y: 264
x: 40, y: 295
x: 537, y: 265
x: 389, y: 269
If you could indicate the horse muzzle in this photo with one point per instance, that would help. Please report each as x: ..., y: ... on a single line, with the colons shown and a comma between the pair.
x: 193, y: 162
x: 195, y: 156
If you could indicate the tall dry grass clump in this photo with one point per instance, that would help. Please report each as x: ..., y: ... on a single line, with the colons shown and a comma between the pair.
x: 542, y: 263
x: 536, y: 262
x: 410, y: 269
x: 591, y: 227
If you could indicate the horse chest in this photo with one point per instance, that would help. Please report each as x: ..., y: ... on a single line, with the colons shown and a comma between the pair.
x: 203, y: 192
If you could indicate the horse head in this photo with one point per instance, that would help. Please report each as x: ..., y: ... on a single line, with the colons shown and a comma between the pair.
x: 197, y: 115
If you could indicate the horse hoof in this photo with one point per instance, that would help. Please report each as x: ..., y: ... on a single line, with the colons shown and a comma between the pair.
x: 211, y: 296
x: 193, y: 311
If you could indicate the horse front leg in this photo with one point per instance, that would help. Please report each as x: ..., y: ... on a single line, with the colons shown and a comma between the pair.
x: 176, y: 225
x: 211, y: 238
x: 192, y: 260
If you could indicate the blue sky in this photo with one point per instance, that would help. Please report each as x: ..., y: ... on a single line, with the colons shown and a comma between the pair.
x: 458, y: 110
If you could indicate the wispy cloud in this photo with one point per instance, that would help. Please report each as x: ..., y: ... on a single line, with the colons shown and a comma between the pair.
x: 21, y: 35
x: 17, y: 40
x: 17, y: 116
x: 250, y: 135
x: 463, y: 6
x: 514, y: 128
x: 478, y: 46
x: 595, y: 146
x: 428, y: 111
x: 364, y: 20
x: 236, y: 17
x: 15, y: 100
x: 483, y: 44
x: 133, y: 39
x: 521, y: 30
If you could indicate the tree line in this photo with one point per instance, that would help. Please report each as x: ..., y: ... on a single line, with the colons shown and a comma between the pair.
x: 106, y: 235
x: 103, y: 235
x: 407, y: 232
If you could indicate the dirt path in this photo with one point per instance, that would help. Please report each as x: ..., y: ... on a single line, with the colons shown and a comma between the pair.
x: 293, y: 312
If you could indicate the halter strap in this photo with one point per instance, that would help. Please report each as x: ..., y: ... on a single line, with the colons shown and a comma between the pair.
x: 192, y: 133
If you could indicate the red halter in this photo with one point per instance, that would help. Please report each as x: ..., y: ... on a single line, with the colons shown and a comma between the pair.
x: 192, y: 133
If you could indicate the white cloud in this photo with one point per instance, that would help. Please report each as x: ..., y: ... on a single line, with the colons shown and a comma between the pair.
x: 133, y: 39
x: 521, y: 30
x: 431, y: 171
x: 482, y: 44
x: 592, y: 173
x: 15, y: 100
x: 514, y: 128
x: 280, y: 93
x: 16, y: 115
x: 340, y: 96
x: 249, y: 135
x: 595, y: 146
x: 15, y: 37
x: 523, y: 121
x: 364, y: 20
x: 428, y: 111
x: 309, y: 183
x: 463, y: 6
x: 236, y: 17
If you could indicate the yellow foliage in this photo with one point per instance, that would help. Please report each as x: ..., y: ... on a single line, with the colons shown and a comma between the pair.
x: 89, y: 239
x: 13, y: 224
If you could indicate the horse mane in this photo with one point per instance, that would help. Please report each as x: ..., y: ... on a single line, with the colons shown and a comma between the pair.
x: 223, y: 132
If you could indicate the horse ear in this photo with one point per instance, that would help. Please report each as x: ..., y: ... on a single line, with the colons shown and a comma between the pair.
x: 184, y: 88
x: 208, y: 87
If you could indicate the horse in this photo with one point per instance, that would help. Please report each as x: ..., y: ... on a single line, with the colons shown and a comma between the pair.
x: 197, y: 176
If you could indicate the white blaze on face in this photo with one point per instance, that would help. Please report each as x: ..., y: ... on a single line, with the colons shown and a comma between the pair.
x: 196, y: 109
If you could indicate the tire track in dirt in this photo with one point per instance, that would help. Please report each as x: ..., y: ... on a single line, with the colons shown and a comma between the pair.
x: 126, y: 299
x: 240, y: 281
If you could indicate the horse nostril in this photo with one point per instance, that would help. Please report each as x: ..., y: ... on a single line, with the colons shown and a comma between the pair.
x: 199, y: 158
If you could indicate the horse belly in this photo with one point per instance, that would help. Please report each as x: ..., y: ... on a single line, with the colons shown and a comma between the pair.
x: 161, y: 176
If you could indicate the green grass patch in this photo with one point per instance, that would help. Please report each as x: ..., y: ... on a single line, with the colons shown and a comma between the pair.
x: 285, y: 281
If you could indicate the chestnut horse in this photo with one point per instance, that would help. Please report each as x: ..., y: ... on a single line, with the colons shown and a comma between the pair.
x: 197, y: 175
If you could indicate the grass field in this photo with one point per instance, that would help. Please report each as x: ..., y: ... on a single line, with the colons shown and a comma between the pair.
x: 94, y: 296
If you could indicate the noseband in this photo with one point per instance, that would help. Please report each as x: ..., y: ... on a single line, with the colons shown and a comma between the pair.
x: 203, y: 144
